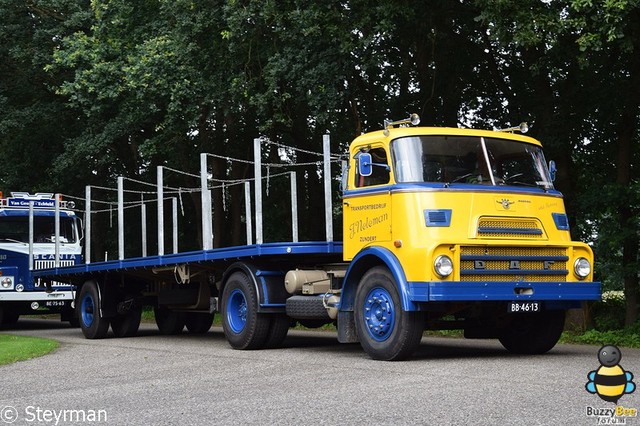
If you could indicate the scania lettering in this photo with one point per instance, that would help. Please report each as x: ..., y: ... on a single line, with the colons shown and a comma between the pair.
x: 444, y: 228
x: 28, y: 242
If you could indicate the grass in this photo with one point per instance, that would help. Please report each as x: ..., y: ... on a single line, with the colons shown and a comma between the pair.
x: 19, y: 348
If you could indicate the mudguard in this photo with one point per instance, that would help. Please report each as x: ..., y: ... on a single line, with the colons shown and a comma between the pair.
x: 365, y: 260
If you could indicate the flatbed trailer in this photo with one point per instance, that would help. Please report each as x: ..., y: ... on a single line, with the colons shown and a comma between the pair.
x: 443, y: 228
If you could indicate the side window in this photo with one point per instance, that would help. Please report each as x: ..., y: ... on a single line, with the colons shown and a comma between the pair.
x: 380, y: 171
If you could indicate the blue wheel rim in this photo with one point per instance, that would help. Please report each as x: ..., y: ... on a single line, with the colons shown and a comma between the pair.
x: 237, y: 311
x: 87, y: 308
x: 379, y: 314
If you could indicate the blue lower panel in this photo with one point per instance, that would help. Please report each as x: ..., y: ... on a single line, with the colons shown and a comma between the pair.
x: 484, y: 291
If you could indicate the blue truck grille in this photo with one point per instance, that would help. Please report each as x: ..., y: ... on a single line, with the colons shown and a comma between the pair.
x: 47, y: 264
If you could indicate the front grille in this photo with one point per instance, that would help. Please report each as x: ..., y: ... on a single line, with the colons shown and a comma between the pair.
x: 47, y: 264
x: 513, y: 264
x: 501, y: 227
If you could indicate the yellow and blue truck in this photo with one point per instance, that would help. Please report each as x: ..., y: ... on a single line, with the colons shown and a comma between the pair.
x: 443, y: 228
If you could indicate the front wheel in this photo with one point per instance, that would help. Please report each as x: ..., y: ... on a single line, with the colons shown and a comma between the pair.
x: 386, y: 332
x: 10, y: 318
x: 92, y: 324
x: 243, y: 326
x: 533, y: 333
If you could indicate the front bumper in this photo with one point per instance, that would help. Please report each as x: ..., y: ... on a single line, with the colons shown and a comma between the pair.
x: 36, y: 296
x: 451, y: 291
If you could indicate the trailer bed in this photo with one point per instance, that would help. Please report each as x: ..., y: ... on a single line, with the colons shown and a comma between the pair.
x: 216, y: 259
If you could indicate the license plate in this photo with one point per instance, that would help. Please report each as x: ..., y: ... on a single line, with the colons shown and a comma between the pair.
x: 55, y: 303
x: 525, y: 307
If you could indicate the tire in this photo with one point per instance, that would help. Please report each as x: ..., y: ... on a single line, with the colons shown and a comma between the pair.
x: 10, y: 318
x: 127, y: 324
x: 278, y: 330
x: 243, y: 326
x: 533, y: 333
x: 386, y: 332
x: 198, y: 322
x: 169, y: 322
x: 92, y: 324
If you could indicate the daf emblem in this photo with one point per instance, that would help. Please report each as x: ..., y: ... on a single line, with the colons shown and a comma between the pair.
x: 505, y: 203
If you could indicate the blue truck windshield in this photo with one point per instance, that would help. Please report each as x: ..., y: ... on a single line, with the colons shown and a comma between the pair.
x: 16, y: 229
x: 470, y: 160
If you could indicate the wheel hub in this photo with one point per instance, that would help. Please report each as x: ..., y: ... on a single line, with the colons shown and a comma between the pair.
x: 379, y: 314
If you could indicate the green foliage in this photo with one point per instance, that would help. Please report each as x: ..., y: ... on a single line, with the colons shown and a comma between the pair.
x: 608, y: 314
x: 19, y: 348
x: 627, y: 337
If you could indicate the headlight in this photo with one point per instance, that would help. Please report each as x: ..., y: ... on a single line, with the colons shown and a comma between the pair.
x: 443, y: 266
x: 6, y: 283
x: 582, y: 267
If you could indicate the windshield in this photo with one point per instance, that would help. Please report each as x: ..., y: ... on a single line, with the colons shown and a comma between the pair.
x: 469, y: 159
x: 16, y: 229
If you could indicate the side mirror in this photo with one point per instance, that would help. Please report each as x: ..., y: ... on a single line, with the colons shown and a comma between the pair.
x: 552, y: 170
x: 365, y: 166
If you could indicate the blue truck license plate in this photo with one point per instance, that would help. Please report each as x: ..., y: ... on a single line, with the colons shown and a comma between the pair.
x: 524, y: 307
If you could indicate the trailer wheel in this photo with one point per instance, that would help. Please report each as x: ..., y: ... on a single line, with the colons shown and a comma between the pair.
x: 278, y: 330
x: 386, y: 331
x: 127, y: 324
x: 243, y: 326
x: 198, y: 322
x: 92, y: 324
x: 169, y: 322
x: 533, y: 333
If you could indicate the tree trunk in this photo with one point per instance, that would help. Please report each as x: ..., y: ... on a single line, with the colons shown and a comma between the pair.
x: 626, y: 219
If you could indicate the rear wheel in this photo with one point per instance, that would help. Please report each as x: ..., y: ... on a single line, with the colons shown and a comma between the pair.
x: 386, y: 331
x: 199, y: 322
x: 533, y: 333
x: 92, y: 324
x: 127, y: 323
x: 243, y: 326
x: 169, y: 322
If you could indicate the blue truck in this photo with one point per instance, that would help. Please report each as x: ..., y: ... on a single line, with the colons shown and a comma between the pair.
x: 443, y: 229
x: 32, y: 237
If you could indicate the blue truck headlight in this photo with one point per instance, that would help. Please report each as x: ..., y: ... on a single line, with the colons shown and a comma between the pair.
x: 6, y: 283
x: 582, y: 267
x: 443, y: 266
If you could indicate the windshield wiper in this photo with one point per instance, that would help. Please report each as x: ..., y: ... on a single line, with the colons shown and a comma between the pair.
x: 11, y: 240
x: 461, y: 177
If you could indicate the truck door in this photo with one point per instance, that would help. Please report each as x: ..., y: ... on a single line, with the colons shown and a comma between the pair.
x: 367, y: 207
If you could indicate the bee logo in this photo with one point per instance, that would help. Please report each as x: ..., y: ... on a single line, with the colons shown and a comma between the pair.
x: 610, y: 381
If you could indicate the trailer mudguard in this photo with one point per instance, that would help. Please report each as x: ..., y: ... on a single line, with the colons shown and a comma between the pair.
x: 365, y: 260
x: 269, y: 285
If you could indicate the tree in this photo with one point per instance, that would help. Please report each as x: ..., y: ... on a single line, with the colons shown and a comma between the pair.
x: 35, y: 123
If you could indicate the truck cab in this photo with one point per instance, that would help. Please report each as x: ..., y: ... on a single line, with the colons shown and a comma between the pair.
x: 463, y: 229
x: 33, y: 239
